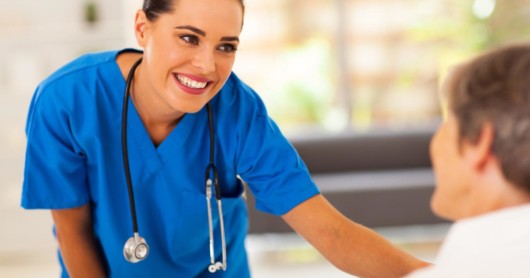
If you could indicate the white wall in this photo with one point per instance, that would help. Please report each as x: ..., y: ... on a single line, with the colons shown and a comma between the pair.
x: 129, y: 8
x: 37, y: 37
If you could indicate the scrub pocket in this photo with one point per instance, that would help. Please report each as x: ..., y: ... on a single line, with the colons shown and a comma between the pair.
x: 192, y: 235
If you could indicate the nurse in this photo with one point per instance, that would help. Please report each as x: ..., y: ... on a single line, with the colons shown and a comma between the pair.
x: 74, y: 160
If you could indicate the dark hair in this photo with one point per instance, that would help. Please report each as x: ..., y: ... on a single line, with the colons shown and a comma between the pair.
x: 154, y: 8
x: 495, y: 88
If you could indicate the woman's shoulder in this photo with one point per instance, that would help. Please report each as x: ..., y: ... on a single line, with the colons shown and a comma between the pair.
x: 237, y: 94
x: 236, y: 86
x: 82, y: 65
x: 81, y: 80
x: 81, y: 74
x: 237, y: 107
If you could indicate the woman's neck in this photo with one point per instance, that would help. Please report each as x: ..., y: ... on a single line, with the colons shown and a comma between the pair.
x: 157, y: 116
x: 158, y: 122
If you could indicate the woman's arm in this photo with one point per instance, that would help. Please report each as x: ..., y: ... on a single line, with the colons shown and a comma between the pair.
x: 77, y: 243
x: 349, y: 246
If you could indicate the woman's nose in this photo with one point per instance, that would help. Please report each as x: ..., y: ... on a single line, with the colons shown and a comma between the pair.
x: 204, y: 60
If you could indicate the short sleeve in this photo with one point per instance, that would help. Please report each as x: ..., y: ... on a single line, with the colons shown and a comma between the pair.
x: 269, y: 164
x: 54, y: 170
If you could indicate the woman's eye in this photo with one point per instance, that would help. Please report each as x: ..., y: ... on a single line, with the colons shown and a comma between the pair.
x: 229, y: 48
x: 190, y: 39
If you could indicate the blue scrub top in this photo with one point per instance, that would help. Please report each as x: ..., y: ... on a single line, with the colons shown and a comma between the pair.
x: 74, y: 157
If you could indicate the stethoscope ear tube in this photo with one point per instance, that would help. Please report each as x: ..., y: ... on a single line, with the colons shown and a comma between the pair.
x: 214, y: 266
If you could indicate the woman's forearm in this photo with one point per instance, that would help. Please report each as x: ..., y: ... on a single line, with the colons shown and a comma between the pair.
x: 360, y: 251
x: 351, y: 247
x: 77, y: 243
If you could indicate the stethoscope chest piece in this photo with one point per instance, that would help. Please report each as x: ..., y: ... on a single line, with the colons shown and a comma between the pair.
x: 135, y: 249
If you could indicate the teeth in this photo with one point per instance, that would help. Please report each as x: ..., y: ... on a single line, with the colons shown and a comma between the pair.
x: 191, y: 83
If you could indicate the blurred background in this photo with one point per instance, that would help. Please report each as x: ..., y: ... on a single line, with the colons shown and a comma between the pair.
x: 321, y: 66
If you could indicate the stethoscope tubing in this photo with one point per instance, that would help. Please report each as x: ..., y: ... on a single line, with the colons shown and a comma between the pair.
x: 124, y: 146
x: 136, y: 248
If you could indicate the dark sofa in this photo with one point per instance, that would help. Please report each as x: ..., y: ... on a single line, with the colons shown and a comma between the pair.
x: 377, y: 178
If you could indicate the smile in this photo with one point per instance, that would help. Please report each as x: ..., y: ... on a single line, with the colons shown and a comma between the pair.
x: 188, y: 82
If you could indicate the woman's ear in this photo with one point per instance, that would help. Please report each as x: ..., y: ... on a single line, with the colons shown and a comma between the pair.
x: 140, y: 27
x: 480, y: 152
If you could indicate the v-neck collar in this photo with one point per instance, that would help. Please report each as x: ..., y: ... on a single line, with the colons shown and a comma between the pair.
x: 155, y: 157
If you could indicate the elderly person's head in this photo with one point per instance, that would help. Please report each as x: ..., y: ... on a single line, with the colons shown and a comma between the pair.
x: 481, y: 152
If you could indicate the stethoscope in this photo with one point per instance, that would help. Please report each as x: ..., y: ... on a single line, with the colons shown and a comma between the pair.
x: 136, y: 248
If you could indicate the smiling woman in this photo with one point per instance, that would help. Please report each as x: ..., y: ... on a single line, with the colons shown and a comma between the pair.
x: 183, y: 47
x: 187, y: 112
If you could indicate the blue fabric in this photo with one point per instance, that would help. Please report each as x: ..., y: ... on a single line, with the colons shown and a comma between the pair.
x: 74, y: 157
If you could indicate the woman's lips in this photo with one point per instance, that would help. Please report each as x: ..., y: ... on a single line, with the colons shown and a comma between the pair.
x: 191, y: 84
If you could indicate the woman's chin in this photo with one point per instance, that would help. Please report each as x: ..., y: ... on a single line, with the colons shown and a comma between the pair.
x: 189, y: 109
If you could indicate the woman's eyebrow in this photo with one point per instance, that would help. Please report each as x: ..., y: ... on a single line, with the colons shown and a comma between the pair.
x: 193, y: 29
x: 228, y: 39
x: 203, y: 33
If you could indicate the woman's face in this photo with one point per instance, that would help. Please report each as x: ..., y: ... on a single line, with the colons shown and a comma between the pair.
x: 189, y: 53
